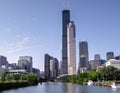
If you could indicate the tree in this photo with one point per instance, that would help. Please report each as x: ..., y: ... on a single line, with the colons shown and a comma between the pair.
x: 108, y: 73
x: 3, y: 77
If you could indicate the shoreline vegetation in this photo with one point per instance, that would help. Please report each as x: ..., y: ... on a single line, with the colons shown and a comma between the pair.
x: 12, y: 85
x: 10, y: 81
x: 102, y: 77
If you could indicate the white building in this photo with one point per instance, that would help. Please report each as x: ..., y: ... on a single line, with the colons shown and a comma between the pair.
x: 71, y: 48
x: 20, y: 72
x: 113, y: 62
x: 52, y: 68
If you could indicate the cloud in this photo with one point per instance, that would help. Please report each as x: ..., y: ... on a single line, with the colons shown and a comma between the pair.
x: 18, y: 36
x: 16, y: 47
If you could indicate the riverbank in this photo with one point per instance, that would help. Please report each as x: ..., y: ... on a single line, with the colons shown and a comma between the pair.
x: 104, y: 83
x: 101, y: 83
x: 11, y: 85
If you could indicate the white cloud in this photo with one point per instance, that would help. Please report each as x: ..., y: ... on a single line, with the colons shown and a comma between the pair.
x: 16, y: 47
x: 18, y: 36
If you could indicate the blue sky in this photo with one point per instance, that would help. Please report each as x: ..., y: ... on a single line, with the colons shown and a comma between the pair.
x: 34, y: 27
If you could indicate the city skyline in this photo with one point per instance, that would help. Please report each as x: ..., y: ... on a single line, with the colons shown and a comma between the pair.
x: 34, y: 28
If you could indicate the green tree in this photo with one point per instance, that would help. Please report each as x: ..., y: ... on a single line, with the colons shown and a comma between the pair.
x: 108, y: 73
x: 3, y: 77
x: 8, y: 77
x: 32, y: 77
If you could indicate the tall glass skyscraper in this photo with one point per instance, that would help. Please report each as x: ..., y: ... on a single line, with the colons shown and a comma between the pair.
x: 65, y: 21
x: 83, y: 55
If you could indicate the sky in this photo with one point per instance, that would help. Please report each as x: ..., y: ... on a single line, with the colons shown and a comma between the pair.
x: 34, y: 28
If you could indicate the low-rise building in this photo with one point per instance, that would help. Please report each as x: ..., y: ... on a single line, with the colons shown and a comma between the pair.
x: 113, y: 62
x: 20, y: 72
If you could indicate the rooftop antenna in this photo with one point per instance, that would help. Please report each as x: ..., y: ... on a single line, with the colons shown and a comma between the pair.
x: 66, y: 4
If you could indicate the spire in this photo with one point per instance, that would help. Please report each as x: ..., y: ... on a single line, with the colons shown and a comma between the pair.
x: 66, y: 4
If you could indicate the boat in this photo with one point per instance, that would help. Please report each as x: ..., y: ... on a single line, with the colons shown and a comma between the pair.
x: 115, y: 85
x: 90, y: 82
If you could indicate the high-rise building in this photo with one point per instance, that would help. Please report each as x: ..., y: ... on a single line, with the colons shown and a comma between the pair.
x: 51, y: 67
x: 26, y: 60
x: 95, y: 64
x: 109, y: 55
x: 65, y: 21
x: 56, y: 66
x: 97, y: 57
x: 117, y: 57
x: 3, y: 61
x: 47, y: 66
x: 71, y: 48
x: 24, y: 64
x: 83, y: 55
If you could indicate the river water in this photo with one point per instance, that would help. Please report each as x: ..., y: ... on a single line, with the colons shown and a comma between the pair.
x: 56, y: 87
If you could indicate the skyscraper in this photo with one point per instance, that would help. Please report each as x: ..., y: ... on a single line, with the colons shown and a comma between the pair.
x: 25, y: 59
x: 47, y: 66
x: 110, y: 55
x: 83, y: 55
x: 3, y: 61
x: 71, y: 48
x: 97, y: 57
x: 51, y: 67
x: 65, y: 21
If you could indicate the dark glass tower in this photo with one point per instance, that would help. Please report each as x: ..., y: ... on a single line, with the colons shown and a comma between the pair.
x: 110, y: 55
x: 83, y: 55
x: 65, y: 21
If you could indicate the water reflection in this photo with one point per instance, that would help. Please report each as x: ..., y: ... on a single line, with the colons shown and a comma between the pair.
x: 55, y: 87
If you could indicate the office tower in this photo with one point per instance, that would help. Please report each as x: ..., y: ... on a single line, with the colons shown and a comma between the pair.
x: 47, y: 66
x: 83, y: 55
x: 95, y: 63
x: 97, y: 57
x: 60, y: 68
x: 71, y: 48
x: 109, y: 55
x: 24, y: 64
x: 56, y: 66
x: 3, y: 61
x: 13, y: 66
x: 52, y: 68
x: 27, y: 62
x: 117, y: 57
x: 65, y: 21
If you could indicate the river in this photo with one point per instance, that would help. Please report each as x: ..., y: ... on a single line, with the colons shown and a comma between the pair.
x: 56, y: 87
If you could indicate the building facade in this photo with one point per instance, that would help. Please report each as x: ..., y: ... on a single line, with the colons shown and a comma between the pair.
x: 47, y: 65
x: 83, y: 55
x: 65, y: 21
x: 113, y: 62
x: 95, y: 64
x: 51, y: 67
x: 71, y: 46
x: 26, y: 62
x: 97, y: 57
x: 3, y: 61
x: 109, y: 55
